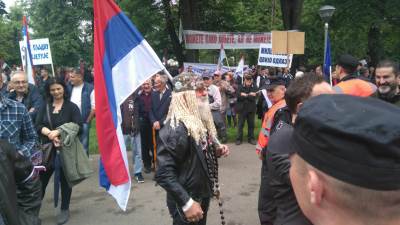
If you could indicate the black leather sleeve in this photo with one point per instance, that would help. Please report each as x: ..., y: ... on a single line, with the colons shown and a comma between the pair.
x: 283, y: 115
x: 281, y: 163
x: 171, y: 150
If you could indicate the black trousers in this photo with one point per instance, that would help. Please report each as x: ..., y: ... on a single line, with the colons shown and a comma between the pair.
x: 146, y: 136
x: 249, y: 117
x: 66, y: 191
x: 266, y: 204
x: 178, y: 216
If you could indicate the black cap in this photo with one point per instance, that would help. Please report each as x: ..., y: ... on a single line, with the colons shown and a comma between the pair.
x: 348, y: 62
x: 275, y: 81
x: 353, y: 139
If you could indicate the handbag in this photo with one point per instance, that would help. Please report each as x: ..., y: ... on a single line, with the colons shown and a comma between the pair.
x: 47, y: 148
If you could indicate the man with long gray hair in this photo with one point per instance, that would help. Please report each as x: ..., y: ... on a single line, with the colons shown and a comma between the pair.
x: 187, y: 153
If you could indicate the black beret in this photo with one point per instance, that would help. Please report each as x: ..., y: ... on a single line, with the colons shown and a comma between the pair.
x: 347, y: 61
x: 275, y: 81
x: 353, y: 139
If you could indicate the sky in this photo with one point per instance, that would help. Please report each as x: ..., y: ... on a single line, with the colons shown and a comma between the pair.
x: 9, y: 3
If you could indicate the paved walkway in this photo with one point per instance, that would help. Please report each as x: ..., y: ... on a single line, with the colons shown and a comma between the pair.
x: 91, y: 205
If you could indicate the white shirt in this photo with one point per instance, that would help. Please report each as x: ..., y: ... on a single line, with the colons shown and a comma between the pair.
x: 92, y: 100
x: 214, y: 92
x: 76, y: 96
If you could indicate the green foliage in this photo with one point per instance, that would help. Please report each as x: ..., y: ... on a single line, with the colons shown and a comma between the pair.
x: 2, y: 8
x: 147, y: 16
x: 65, y: 24
x: 349, y: 29
x: 359, y: 28
x: 10, y: 35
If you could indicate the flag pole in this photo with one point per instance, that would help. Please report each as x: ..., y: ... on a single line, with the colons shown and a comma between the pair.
x: 52, y: 69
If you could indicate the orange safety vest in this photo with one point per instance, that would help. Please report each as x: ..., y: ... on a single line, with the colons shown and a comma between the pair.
x: 264, y: 134
x: 355, y: 87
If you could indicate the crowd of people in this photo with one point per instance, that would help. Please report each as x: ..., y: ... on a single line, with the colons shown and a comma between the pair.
x: 322, y: 148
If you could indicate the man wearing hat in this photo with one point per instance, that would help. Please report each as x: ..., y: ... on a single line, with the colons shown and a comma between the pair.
x: 288, y: 210
x: 347, y: 172
x: 349, y: 81
x: 246, y: 108
x: 214, y: 97
x: 387, y: 78
x: 187, y: 153
x: 276, y: 92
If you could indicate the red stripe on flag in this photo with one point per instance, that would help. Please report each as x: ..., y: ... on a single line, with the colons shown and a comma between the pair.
x: 110, y: 149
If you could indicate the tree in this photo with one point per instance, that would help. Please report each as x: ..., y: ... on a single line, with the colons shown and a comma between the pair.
x: 67, y: 24
x: 2, y: 8
x: 10, y: 35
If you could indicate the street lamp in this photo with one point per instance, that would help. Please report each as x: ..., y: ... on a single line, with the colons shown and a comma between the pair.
x: 326, y: 13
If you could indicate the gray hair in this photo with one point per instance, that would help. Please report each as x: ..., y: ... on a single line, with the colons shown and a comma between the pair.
x: 163, y: 78
x: 18, y: 72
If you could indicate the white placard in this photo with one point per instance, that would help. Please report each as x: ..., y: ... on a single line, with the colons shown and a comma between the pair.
x: 266, y: 58
x: 40, y: 50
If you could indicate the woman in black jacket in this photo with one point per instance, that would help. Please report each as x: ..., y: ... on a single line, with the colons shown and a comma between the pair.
x: 61, y: 111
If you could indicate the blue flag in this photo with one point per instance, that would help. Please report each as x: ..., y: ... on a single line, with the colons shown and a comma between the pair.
x: 327, y: 63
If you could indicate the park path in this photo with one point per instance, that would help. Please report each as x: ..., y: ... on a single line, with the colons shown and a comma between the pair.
x: 91, y: 205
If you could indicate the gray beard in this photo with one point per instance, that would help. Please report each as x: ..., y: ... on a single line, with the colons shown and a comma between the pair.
x: 390, y: 93
x: 204, y: 109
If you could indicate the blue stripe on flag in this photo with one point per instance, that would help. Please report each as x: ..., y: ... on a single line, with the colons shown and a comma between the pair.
x: 103, y: 179
x: 119, y: 41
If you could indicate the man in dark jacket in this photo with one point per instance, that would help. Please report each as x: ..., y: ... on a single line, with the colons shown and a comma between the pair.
x: 145, y: 125
x: 131, y: 130
x: 288, y: 211
x: 387, y: 77
x: 160, y: 100
x: 81, y: 93
x: 246, y: 108
x: 16, y: 171
x: 335, y: 184
x: 25, y: 93
x: 187, y: 153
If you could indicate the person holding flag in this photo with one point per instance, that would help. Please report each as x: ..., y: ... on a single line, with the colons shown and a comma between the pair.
x: 123, y: 60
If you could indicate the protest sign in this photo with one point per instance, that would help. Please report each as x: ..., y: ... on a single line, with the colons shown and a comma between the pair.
x: 40, y: 50
x: 266, y: 58
x: 201, y: 68
x: 213, y: 40
x: 287, y: 42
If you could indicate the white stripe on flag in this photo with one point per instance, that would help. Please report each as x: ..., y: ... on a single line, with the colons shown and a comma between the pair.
x: 121, y: 192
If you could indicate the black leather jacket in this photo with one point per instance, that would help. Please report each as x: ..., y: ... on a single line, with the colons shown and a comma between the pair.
x: 181, y: 166
x: 288, y: 210
x: 14, y: 169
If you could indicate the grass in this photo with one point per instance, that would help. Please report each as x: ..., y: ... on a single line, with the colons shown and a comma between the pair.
x: 231, y: 132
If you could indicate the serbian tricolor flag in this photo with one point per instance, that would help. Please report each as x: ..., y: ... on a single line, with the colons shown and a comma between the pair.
x: 27, y: 60
x: 123, y: 60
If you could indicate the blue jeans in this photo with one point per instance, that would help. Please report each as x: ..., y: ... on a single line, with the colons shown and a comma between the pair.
x: 84, y: 137
x: 136, y: 146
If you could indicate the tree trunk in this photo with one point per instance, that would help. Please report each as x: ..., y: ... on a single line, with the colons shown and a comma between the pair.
x: 170, y: 28
x: 374, y: 44
x: 291, y: 15
x: 291, y: 12
x: 189, y: 13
